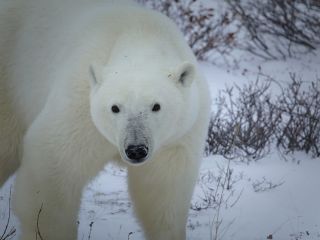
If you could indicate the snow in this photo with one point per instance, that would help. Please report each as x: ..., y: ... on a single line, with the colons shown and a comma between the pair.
x: 287, y: 210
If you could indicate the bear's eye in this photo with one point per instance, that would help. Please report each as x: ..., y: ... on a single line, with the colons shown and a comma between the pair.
x: 115, y: 109
x: 156, y: 107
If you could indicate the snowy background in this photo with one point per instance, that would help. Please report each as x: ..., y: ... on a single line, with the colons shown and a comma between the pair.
x: 276, y: 197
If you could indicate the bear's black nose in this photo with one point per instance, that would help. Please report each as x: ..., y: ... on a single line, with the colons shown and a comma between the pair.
x: 136, y: 153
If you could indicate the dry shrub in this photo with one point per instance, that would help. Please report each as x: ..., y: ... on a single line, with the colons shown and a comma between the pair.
x: 278, y: 28
x: 248, y: 120
x: 208, y: 33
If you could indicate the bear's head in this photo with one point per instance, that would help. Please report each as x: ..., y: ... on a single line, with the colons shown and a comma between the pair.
x: 141, y: 112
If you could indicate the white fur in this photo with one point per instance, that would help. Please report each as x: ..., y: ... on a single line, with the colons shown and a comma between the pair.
x: 63, y: 64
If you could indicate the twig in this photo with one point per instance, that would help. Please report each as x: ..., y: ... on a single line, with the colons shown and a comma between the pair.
x: 6, y: 235
x: 217, y: 222
x: 38, y: 219
x: 130, y: 233
x: 90, y: 225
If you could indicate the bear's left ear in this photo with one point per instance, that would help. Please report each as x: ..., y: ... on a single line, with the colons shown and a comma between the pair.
x: 184, y: 74
x: 95, y: 72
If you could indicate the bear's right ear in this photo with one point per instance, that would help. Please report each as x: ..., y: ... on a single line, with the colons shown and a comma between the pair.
x: 184, y: 74
x: 95, y: 72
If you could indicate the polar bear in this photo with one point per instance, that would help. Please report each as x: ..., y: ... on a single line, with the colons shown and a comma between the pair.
x: 87, y: 82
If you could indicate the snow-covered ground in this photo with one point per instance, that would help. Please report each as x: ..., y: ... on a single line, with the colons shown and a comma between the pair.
x: 288, y: 211
x: 268, y: 199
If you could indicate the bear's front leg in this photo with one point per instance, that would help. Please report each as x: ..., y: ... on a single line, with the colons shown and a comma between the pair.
x: 47, y: 196
x: 44, y: 210
x: 161, y: 191
x: 58, y: 161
